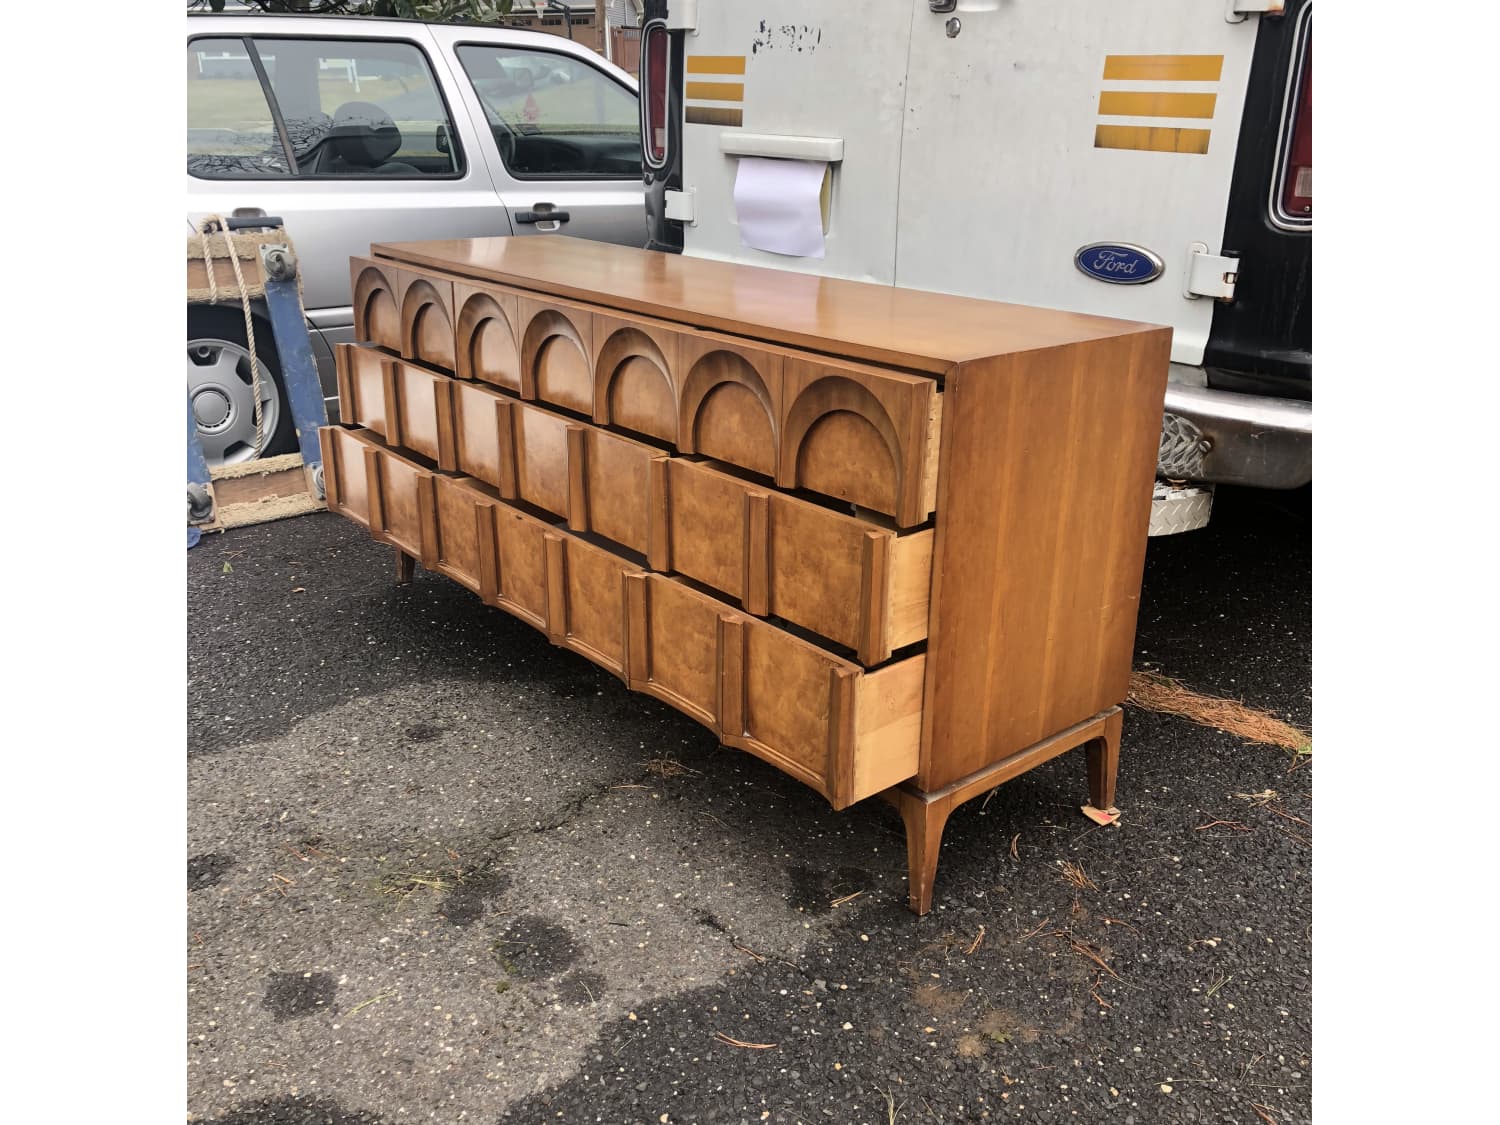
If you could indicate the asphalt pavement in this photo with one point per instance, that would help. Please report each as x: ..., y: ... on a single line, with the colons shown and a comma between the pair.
x: 441, y: 870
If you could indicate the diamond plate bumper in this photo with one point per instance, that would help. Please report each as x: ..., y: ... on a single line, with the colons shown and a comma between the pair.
x: 1229, y: 438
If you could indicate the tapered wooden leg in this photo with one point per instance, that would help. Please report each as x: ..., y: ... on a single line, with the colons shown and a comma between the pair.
x: 406, y: 567
x: 925, y: 818
x: 1104, y: 763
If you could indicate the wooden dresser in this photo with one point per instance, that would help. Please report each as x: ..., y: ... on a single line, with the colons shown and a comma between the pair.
x: 889, y: 541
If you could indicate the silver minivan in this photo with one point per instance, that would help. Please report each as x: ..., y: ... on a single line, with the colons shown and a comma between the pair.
x: 358, y: 130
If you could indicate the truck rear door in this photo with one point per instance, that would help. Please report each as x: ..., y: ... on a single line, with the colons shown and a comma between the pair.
x: 1033, y: 131
x: 821, y: 79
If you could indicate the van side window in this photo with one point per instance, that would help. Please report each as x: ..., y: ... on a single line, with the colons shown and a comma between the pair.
x: 230, y: 131
x: 555, y: 116
x: 361, y: 109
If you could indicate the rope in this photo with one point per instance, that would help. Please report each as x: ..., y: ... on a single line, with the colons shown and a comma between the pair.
x: 213, y: 290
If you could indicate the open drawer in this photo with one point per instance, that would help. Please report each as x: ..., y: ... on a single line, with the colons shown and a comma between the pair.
x: 378, y: 488
x: 361, y: 384
x: 568, y: 588
x: 847, y: 732
x: 409, y: 406
x: 857, y: 582
x: 863, y: 434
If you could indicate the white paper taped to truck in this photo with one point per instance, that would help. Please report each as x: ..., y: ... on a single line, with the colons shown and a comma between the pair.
x: 777, y: 205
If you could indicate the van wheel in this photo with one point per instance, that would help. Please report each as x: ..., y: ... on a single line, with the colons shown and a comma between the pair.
x: 220, y: 388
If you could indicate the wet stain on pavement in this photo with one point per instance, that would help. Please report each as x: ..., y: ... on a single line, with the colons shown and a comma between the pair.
x: 293, y: 995
x: 465, y: 903
x: 581, y: 988
x: 534, y: 949
x: 296, y: 1110
x: 815, y: 891
x: 423, y: 732
x: 206, y: 870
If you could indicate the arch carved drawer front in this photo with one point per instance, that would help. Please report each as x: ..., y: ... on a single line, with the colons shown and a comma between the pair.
x: 375, y: 287
x: 427, y: 317
x: 730, y: 401
x: 861, y: 434
x: 636, y: 381
x: 378, y: 488
x: 487, y: 340
x: 557, y: 353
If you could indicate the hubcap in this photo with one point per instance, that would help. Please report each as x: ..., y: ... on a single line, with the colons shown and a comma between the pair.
x: 220, y: 389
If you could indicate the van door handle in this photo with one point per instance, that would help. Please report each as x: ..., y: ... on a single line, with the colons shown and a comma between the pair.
x: 542, y: 216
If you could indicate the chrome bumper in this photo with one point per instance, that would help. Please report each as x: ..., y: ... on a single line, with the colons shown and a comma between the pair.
x: 1230, y: 438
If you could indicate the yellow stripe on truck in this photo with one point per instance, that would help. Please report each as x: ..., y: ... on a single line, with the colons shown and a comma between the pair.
x: 717, y: 91
x: 1161, y: 68
x: 1150, y: 138
x: 1131, y: 103
x: 711, y: 115
x: 716, y: 64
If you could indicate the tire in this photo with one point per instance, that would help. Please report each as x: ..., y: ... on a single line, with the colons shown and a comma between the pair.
x: 219, y: 387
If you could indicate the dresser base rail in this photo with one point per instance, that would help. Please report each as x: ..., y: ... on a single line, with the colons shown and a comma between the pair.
x: 926, y: 814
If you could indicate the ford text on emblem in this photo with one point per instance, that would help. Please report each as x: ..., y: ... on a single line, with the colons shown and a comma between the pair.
x: 1119, y: 263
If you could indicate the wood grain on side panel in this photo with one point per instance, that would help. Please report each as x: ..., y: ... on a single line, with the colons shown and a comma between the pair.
x: 1045, y: 478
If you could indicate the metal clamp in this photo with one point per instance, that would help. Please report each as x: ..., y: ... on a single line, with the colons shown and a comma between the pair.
x: 279, y: 261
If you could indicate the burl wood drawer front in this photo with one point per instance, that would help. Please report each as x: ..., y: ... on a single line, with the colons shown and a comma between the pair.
x: 377, y: 487
x: 556, y: 353
x: 376, y: 291
x: 427, y: 317
x: 853, y: 581
x: 464, y: 542
x: 419, y: 412
x: 846, y: 732
x: 730, y: 401
x: 521, y: 557
x: 541, y: 444
x: 361, y: 383
x: 619, y: 491
x: 586, y: 613
x: 720, y: 528
x: 861, y: 434
x: 674, y: 638
x: 636, y: 384
x: 482, y: 436
x: 486, y: 338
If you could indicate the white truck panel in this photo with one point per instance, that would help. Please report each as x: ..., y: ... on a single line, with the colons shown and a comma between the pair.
x: 1014, y: 100
x: 821, y: 69
x: 1012, y: 103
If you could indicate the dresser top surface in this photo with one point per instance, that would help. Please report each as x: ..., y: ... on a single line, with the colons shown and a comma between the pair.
x: 909, y: 328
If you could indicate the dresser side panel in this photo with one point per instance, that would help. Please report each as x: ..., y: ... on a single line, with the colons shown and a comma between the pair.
x: 1045, y: 480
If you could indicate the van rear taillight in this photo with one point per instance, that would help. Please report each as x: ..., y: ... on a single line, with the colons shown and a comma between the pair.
x: 654, y: 54
x: 1292, y: 203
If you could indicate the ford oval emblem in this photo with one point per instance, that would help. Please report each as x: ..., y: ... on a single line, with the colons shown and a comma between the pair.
x: 1118, y: 263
